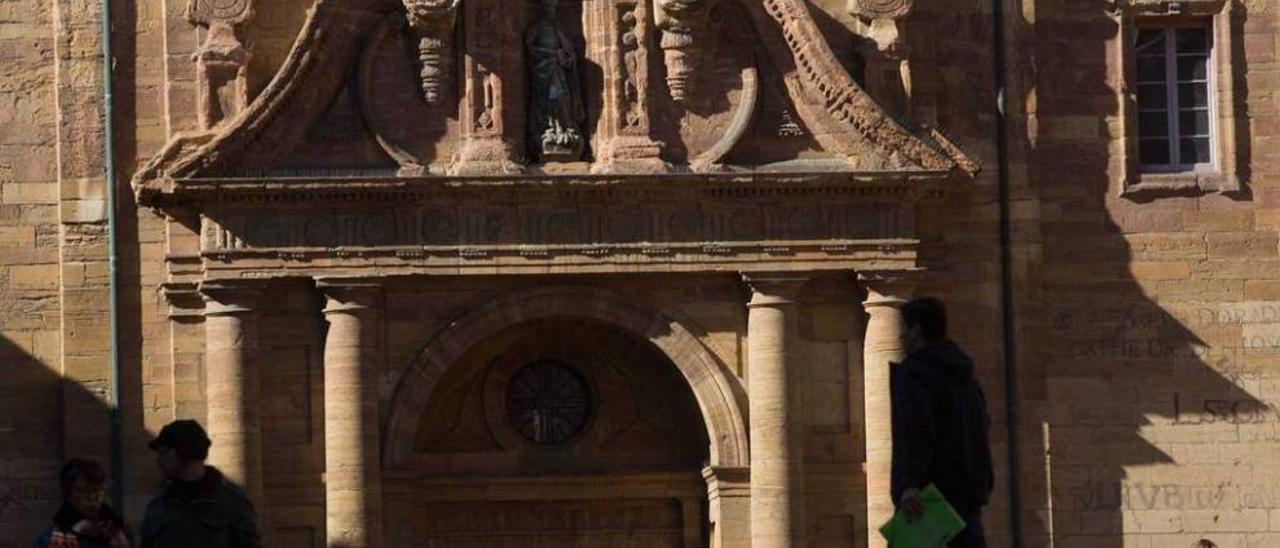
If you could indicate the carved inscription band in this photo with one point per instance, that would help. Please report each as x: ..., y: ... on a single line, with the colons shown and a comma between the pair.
x: 550, y: 224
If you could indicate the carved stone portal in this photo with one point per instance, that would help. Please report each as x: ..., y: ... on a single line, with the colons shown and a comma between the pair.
x: 556, y: 111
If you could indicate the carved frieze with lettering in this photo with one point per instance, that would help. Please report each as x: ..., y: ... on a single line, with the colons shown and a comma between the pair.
x: 701, y: 219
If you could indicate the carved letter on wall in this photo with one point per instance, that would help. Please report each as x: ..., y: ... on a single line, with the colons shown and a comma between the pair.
x: 222, y: 59
x: 432, y: 25
x: 683, y: 36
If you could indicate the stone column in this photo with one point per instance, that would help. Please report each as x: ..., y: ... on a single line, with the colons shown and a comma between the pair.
x: 777, y: 411
x: 882, y: 347
x: 232, y: 383
x: 353, y: 482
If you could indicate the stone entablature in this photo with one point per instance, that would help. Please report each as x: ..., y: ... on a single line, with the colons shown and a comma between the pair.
x: 529, y: 225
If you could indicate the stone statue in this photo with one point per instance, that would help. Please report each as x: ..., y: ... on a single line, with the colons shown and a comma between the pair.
x: 556, y: 111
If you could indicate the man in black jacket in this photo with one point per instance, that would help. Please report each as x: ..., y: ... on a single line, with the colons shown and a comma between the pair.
x: 200, y: 508
x: 940, y: 422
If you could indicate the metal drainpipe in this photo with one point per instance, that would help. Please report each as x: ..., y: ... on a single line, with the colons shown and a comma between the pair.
x: 1006, y: 273
x: 108, y: 114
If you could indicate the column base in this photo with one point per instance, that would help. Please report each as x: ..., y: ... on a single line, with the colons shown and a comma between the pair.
x: 481, y: 156
x: 631, y: 155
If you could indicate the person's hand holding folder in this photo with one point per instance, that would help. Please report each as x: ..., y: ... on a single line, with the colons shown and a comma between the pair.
x: 911, y: 504
x: 925, y: 520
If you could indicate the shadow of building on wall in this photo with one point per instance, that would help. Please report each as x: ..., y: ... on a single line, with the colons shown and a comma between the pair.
x: 1134, y: 354
x: 46, y: 420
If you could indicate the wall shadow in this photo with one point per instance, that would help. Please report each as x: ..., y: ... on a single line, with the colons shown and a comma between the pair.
x: 1132, y: 358
x: 30, y: 440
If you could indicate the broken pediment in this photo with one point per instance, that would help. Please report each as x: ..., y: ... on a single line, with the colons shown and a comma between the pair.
x: 408, y: 88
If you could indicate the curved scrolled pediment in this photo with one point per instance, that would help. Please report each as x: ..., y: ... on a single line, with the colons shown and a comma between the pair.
x: 443, y: 87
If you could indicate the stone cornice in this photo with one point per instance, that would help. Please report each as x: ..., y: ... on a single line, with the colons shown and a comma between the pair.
x: 908, y: 185
x: 890, y: 256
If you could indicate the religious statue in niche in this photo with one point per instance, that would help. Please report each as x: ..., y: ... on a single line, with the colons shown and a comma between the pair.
x: 556, y: 110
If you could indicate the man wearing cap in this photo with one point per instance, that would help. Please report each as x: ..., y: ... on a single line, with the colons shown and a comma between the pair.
x: 200, y: 508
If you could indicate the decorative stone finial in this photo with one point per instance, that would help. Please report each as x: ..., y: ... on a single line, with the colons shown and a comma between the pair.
x: 431, y: 23
x: 683, y: 40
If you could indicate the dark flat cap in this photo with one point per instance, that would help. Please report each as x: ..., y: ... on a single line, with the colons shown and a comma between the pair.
x: 187, y: 436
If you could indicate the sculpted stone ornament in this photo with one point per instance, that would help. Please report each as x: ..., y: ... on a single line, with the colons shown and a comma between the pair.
x: 683, y: 26
x: 222, y: 60
x: 624, y: 142
x: 888, y: 70
x: 432, y: 24
x: 556, y: 111
x: 880, y: 9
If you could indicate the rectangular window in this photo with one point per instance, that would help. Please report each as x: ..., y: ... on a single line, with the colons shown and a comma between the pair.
x: 1175, y: 99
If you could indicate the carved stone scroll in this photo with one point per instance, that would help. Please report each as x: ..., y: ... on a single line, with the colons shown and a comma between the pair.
x: 684, y: 25
x: 432, y: 24
x: 625, y: 142
x: 222, y: 59
x: 748, y: 103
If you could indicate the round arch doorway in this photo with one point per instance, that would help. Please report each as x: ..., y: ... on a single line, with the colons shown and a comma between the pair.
x: 558, y: 432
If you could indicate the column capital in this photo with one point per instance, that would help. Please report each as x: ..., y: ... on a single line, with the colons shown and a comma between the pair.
x: 893, y: 288
x: 231, y: 297
x: 186, y: 303
x: 774, y: 288
x: 349, y: 295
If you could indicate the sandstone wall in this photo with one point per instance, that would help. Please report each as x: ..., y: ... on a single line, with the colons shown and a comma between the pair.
x: 1148, y: 343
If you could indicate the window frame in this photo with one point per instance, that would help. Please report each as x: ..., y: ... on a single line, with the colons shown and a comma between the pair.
x: 1143, y: 182
x: 1173, y: 108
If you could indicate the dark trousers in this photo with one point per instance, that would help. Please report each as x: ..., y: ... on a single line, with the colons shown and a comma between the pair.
x: 972, y: 536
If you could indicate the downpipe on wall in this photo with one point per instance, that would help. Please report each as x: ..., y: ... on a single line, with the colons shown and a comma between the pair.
x: 1006, y: 271
x: 113, y: 290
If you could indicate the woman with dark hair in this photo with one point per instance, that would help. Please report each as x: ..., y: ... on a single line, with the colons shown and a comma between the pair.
x: 84, y: 520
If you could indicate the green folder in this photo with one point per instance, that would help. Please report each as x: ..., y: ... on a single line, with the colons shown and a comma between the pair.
x: 937, y: 525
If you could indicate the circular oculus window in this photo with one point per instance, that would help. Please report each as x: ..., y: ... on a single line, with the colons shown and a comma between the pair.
x: 548, y: 402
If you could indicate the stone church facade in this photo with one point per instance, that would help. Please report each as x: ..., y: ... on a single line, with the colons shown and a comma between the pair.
x: 627, y: 272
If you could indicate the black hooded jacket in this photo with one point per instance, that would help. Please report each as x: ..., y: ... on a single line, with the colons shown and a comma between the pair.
x: 940, y: 427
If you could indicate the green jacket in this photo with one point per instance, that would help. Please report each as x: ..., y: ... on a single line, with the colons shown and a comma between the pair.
x: 207, y: 513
